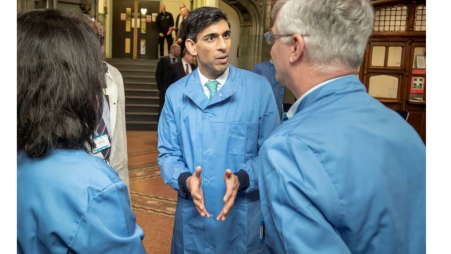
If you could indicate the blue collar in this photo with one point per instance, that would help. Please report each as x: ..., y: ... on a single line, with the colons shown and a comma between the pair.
x: 194, y: 90
x: 345, y: 84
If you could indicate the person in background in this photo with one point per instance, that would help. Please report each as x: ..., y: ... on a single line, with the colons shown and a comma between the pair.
x: 213, y: 122
x: 179, y: 19
x: 178, y: 70
x: 165, y: 24
x: 343, y: 173
x: 68, y: 201
x: 162, y: 67
x: 267, y: 70
x: 113, y: 111
x: 181, y: 38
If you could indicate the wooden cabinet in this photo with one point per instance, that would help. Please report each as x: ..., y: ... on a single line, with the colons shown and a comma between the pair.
x: 394, y: 68
x: 417, y: 118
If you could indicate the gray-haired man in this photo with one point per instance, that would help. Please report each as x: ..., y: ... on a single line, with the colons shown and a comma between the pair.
x: 343, y: 173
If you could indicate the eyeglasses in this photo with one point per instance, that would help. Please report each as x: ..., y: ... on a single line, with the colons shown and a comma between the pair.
x: 271, y: 38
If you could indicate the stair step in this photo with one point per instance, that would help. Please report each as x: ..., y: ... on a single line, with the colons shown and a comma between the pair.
x: 142, y: 113
x: 143, y: 122
x: 141, y: 117
x: 141, y: 125
x: 141, y: 86
x: 141, y: 92
x: 139, y: 80
x: 128, y: 61
x: 139, y: 74
x: 128, y: 67
x: 148, y: 93
x: 142, y: 99
x: 147, y: 108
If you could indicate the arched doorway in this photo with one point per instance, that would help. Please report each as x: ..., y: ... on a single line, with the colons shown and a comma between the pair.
x: 251, y: 16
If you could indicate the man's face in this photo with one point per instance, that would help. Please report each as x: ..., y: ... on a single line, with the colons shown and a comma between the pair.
x: 182, y: 6
x: 212, y: 49
x: 163, y: 8
x: 188, y: 58
x: 175, y: 51
x: 184, y: 13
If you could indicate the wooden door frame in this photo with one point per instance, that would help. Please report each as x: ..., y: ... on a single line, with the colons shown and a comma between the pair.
x: 135, y: 30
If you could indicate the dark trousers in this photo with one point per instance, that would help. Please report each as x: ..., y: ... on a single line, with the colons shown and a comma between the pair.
x: 162, y: 95
x: 169, y: 40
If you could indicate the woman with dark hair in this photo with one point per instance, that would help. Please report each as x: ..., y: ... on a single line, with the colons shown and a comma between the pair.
x: 68, y: 201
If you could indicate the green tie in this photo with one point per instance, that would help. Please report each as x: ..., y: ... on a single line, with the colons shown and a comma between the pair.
x: 212, y: 86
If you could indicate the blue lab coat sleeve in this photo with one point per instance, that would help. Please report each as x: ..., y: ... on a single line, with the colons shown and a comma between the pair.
x: 108, y: 224
x: 269, y: 120
x: 294, y: 186
x: 170, y: 157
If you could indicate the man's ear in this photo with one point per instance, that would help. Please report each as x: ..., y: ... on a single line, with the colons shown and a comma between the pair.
x: 191, y: 46
x: 297, y: 48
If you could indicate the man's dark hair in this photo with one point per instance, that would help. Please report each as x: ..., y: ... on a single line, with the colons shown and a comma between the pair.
x: 201, y: 18
x: 59, y: 82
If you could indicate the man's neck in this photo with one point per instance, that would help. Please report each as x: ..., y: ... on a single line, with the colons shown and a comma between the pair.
x: 309, y: 79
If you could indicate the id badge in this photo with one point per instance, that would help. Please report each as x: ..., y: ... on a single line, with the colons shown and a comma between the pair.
x: 102, y: 142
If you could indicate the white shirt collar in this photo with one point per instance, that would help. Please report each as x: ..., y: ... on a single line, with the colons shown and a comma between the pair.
x: 221, y: 80
x: 295, y: 106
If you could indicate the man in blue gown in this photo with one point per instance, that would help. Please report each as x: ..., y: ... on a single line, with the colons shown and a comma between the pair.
x: 267, y: 70
x: 213, y: 123
x: 343, y: 173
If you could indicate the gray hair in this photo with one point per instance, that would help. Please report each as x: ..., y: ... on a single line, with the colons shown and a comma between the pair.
x: 335, y: 31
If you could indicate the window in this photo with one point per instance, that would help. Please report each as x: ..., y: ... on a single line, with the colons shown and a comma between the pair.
x: 387, y: 54
x: 390, y: 19
x: 394, y: 56
x: 420, y: 18
x: 383, y: 86
x: 378, y: 56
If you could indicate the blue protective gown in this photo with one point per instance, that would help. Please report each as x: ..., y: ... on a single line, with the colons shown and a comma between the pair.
x: 345, y: 174
x: 218, y: 134
x: 267, y: 70
x: 73, y: 202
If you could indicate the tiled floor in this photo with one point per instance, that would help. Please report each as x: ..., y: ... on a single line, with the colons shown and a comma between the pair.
x: 153, y: 202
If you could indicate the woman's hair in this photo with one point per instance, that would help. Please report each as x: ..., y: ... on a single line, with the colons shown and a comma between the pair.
x: 59, y: 82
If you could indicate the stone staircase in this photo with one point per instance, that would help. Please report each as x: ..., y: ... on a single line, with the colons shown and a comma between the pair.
x: 141, y: 92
